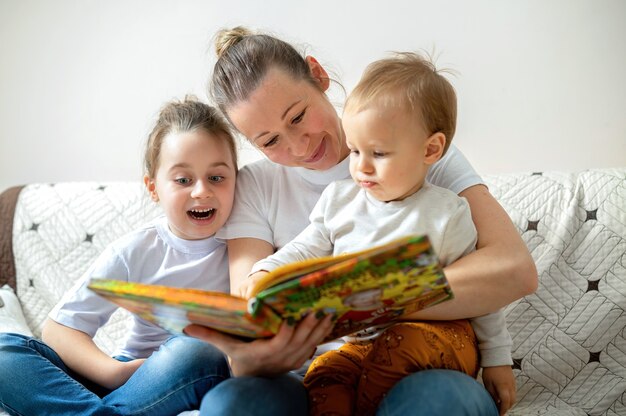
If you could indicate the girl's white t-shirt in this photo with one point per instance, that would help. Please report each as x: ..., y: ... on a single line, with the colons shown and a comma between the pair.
x: 153, y: 255
x: 273, y: 202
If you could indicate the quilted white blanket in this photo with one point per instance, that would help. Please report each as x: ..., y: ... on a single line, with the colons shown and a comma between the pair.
x: 569, y: 337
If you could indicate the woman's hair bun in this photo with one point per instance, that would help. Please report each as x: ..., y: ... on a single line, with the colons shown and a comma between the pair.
x: 225, y: 38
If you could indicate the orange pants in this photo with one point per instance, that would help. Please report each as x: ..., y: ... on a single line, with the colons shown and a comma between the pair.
x: 355, y: 378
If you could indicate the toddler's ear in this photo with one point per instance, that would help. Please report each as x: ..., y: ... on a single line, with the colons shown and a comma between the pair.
x: 433, y: 148
x: 151, y: 187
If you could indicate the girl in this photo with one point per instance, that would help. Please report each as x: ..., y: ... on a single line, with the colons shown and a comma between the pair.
x: 191, y: 166
x: 276, y: 98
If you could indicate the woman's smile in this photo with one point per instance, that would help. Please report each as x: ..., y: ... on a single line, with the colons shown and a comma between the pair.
x: 318, y: 153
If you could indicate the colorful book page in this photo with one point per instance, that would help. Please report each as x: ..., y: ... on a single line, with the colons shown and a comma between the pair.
x: 175, y: 308
x: 370, y: 288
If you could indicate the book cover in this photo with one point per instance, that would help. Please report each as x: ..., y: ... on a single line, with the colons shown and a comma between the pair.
x: 360, y: 289
x: 174, y: 308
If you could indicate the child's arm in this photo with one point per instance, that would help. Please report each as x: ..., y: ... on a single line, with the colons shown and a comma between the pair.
x: 310, y: 243
x: 80, y: 353
x: 74, y: 321
x: 314, y: 241
x: 246, y: 288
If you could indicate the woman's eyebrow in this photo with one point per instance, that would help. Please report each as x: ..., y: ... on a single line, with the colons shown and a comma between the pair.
x: 282, y: 118
x: 289, y: 108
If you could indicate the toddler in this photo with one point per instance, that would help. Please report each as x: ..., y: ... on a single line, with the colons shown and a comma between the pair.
x: 398, y: 121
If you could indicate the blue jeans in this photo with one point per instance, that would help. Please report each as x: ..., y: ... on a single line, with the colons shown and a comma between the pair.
x: 438, y: 392
x: 244, y: 396
x: 171, y: 380
x: 428, y: 392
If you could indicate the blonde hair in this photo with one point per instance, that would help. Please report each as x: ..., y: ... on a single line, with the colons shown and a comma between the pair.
x: 244, y: 59
x: 411, y: 82
x: 185, y: 116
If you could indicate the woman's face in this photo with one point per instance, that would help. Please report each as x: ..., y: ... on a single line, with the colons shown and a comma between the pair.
x: 291, y: 122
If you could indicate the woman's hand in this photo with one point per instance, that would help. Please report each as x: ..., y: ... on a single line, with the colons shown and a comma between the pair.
x: 287, y: 350
x: 500, y: 383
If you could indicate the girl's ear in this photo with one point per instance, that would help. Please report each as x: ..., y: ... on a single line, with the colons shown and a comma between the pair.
x: 433, y: 148
x: 151, y: 187
x: 318, y: 72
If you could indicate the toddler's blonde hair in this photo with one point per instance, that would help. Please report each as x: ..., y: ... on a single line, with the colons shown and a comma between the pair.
x: 409, y: 82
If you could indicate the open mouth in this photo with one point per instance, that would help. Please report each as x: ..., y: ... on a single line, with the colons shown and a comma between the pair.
x: 201, y: 214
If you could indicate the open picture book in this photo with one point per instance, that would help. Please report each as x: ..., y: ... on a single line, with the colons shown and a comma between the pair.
x: 359, y: 289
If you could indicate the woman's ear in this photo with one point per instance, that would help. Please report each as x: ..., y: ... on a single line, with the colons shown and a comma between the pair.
x: 433, y: 148
x: 151, y: 187
x: 318, y: 72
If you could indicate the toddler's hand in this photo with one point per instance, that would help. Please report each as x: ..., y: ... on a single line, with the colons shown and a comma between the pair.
x: 245, y: 289
x: 500, y: 383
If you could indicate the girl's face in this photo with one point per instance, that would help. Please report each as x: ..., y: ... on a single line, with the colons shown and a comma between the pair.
x: 292, y: 122
x: 194, y: 182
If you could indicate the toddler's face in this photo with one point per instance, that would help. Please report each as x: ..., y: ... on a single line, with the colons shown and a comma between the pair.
x: 387, y: 151
x: 194, y: 183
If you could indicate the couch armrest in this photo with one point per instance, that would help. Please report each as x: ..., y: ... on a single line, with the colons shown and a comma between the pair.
x: 8, y: 200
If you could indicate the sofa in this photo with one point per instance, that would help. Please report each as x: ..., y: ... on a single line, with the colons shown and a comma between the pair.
x: 569, y: 337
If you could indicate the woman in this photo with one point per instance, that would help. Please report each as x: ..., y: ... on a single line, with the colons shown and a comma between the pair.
x: 276, y: 99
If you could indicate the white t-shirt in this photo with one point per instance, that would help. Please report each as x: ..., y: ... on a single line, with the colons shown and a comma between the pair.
x: 153, y: 255
x: 347, y: 219
x: 273, y: 202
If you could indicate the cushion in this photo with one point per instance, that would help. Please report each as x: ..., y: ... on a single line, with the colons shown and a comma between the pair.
x: 59, y: 230
x: 11, y: 316
x: 569, y: 337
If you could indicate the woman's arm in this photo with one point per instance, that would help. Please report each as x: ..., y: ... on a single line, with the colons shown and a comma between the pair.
x: 82, y: 355
x: 499, y: 272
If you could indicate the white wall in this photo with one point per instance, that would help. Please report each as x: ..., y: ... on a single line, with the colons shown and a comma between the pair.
x: 540, y: 82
